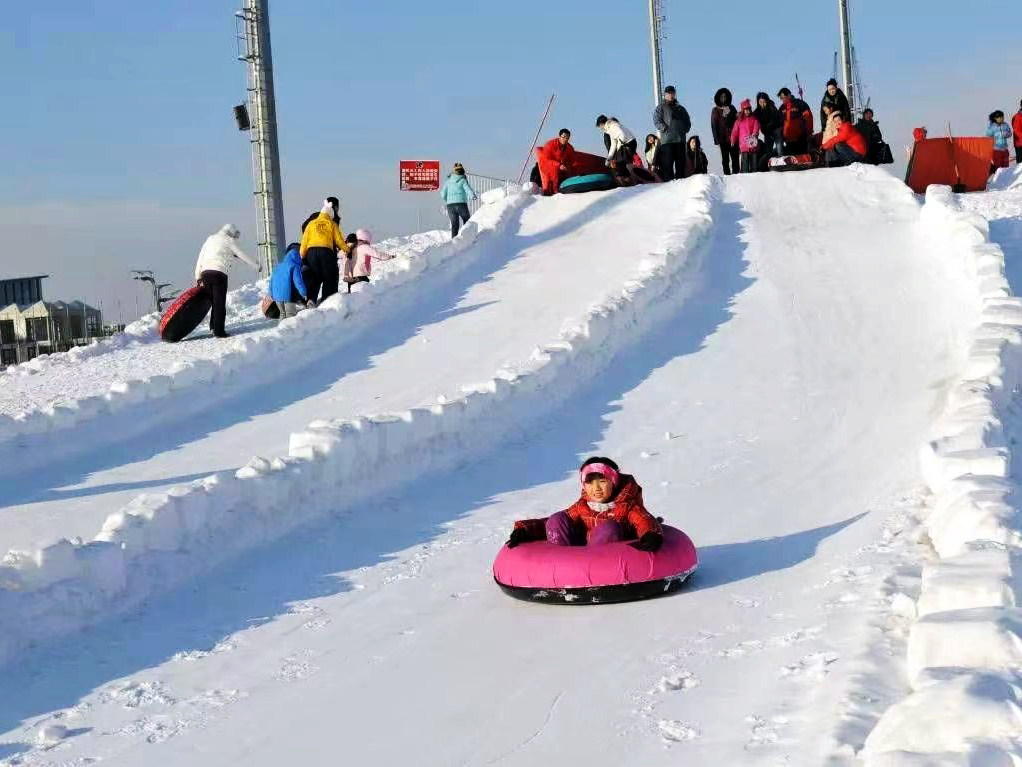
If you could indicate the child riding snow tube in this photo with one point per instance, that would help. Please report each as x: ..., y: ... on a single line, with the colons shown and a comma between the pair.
x: 605, y: 548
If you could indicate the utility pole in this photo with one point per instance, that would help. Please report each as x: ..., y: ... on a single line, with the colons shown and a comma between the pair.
x: 655, y: 20
x: 255, y: 20
x: 846, y: 55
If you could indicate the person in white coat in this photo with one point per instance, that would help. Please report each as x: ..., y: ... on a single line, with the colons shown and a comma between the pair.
x: 212, y: 269
x: 621, y: 148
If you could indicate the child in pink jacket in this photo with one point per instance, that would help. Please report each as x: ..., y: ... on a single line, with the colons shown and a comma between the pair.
x: 745, y: 135
x: 359, y: 264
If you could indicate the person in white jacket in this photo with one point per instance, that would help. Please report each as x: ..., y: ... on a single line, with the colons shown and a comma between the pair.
x: 621, y: 148
x: 212, y: 269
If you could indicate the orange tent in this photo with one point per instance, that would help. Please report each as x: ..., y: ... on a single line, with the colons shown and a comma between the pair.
x: 950, y: 161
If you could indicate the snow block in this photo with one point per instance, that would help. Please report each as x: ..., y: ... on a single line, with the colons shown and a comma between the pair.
x: 966, y: 719
x: 982, y: 576
x: 979, y: 638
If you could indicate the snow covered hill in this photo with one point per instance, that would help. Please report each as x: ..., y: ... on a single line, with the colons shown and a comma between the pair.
x: 767, y: 354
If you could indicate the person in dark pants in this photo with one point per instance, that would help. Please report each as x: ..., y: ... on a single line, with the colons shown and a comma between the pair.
x: 722, y: 120
x: 211, y: 270
x: 870, y: 130
x: 769, y: 119
x: 836, y: 98
x: 672, y: 123
x: 321, y: 240
x: 796, y: 122
x: 456, y: 194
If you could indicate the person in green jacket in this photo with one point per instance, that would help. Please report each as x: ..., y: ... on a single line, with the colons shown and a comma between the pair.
x: 456, y: 194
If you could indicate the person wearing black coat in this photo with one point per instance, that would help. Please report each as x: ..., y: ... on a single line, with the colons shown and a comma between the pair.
x: 870, y: 130
x: 722, y: 120
x: 769, y: 118
x: 672, y: 123
x: 695, y: 158
x: 837, y: 99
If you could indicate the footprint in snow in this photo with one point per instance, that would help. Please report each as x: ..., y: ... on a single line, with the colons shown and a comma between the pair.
x: 682, y: 680
x: 746, y: 601
x: 812, y: 666
x: 673, y: 731
x: 764, y: 732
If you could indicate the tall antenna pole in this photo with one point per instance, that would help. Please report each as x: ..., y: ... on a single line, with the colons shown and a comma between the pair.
x: 846, y: 55
x: 265, y: 154
x: 655, y: 17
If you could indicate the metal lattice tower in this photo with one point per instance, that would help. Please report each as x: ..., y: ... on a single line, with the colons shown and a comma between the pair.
x: 846, y: 54
x: 254, y: 34
x: 656, y: 19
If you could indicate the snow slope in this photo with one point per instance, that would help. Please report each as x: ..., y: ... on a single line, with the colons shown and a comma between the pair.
x: 770, y: 387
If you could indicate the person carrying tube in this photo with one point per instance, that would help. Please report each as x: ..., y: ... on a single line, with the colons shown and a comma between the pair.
x: 556, y: 162
x: 621, y: 149
x: 213, y: 268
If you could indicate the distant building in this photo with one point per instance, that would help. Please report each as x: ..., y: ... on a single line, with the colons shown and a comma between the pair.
x: 30, y: 326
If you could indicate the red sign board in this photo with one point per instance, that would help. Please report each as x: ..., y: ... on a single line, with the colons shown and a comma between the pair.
x: 420, y: 175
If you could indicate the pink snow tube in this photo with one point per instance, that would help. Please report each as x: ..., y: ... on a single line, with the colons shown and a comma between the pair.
x: 612, y: 572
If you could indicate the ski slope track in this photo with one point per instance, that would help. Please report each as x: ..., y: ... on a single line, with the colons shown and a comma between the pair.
x: 965, y: 644
x: 161, y: 538
x: 812, y: 374
x: 203, y: 373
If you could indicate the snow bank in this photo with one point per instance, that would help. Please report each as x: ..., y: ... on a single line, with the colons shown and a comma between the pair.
x: 38, y: 436
x: 965, y: 648
x: 163, y: 539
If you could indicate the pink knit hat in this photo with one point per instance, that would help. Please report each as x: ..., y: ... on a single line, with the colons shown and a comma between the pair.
x: 746, y: 104
x: 598, y: 468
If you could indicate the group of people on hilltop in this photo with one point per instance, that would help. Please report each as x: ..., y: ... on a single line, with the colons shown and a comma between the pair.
x: 750, y: 135
x: 310, y: 271
x: 747, y: 137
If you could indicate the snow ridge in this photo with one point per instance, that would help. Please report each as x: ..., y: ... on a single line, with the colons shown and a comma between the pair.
x: 40, y: 436
x: 965, y: 646
x: 160, y: 540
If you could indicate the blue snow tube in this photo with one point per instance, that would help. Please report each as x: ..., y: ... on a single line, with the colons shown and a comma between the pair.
x: 593, y: 182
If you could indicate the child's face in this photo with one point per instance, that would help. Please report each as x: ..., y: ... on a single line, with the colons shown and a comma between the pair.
x: 598, y: 489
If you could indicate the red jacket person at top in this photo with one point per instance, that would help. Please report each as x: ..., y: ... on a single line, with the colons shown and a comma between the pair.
x: 556, y: 161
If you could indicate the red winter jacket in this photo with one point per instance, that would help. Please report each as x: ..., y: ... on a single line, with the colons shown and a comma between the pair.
x: 551, y: 156
x: 628, y: 511
x: 848, y: 135
x: 1016, y: 127
x: 796, y: 119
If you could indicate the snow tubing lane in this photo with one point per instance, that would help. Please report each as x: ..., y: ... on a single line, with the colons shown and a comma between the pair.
x: 185, y: 314
x: 614, y: 572
x: 594, y: 182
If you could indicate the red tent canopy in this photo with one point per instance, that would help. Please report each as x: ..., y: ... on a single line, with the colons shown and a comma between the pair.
x: 950, y: 161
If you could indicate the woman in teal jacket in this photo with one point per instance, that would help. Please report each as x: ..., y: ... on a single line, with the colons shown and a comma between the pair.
x: 999, y: 131
x: 456, y: 194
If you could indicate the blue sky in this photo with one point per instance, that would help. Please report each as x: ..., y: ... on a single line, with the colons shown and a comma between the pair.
x: 120, y: 149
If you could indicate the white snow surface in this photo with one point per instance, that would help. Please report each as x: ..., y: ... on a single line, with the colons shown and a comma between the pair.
x: 767, y: 354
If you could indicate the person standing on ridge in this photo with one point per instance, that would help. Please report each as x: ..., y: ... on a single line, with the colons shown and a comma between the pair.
x: 999, y: 131
x: 321, y: 240
x: 456, y: 194
x: 556, y: 162
x: 745, y: 136
x: 212, y: 269
x: 796, y: 122
x: 722, y: 120
x: 836, y: 98
x: 770, y: 124
x: 672, y: 123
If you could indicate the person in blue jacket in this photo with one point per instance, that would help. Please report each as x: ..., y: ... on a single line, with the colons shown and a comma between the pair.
x: 287, y: 286
x: 456, y: 194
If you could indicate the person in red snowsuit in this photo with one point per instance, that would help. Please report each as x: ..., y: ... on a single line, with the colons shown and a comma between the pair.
x: 847, y: 146
x: 610, y: 510
x: 1016, y: 129
x: 556, y: 161
x: 796, y: 122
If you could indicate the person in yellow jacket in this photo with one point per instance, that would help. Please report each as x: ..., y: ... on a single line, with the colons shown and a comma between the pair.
x: 321, y: 240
